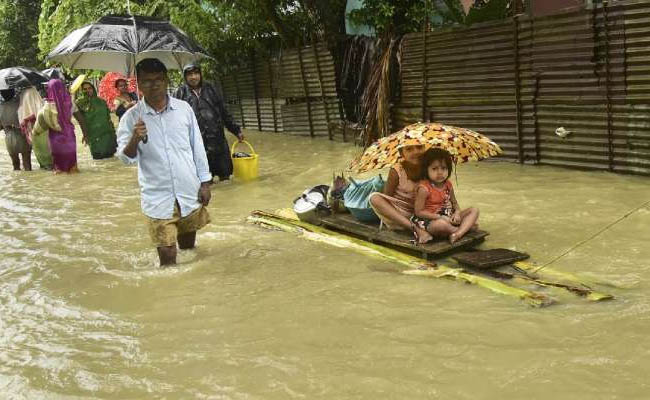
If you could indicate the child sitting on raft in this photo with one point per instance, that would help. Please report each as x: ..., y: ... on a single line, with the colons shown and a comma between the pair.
x: 394, y: 206
x: 436, y: 207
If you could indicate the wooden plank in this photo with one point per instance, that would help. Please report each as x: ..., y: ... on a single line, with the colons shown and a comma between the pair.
x: 489, y: 258
x: 348, y: 224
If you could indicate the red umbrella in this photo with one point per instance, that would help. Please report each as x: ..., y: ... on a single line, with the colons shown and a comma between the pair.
x: 109, y: 92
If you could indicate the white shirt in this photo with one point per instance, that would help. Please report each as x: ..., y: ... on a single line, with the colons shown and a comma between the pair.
x: 172, y: 164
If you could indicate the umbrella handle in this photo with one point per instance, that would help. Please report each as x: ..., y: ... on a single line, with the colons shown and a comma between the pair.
x: 145, y: 139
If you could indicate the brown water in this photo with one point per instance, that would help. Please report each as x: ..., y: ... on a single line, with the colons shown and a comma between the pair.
x: 256, y: 314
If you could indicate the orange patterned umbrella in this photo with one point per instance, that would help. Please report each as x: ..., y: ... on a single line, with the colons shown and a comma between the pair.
x: 109, y: 92
x: 463, y: 144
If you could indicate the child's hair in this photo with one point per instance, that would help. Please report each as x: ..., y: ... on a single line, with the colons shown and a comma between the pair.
x: 117, y: 82
x: 432, y: 155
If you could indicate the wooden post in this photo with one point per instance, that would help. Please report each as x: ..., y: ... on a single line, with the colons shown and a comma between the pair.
x: 520, y: 144
x: 255, y: 91
x: 241, y: 107
x: 535, y: 121
x: 282, y: 89
x: 424, y: 76
x: 275, y: 119
x: 306, y: 91
x: 608, y: 89
x: 322, y: 92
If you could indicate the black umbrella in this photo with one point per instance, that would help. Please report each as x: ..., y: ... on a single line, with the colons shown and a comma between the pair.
x: 118, y: 42
x: 21, y: 77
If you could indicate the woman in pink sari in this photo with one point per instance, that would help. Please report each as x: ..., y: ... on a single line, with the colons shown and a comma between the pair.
x: 62, y: 142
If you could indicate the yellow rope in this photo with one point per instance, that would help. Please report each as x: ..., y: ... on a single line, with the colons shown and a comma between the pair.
x: 593, y: 236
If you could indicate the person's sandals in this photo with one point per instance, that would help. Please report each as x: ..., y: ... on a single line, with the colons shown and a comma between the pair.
x: 416, y: 235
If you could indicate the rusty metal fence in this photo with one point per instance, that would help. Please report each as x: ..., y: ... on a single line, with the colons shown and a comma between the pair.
x: 293, y: 91
x: 586, y: 71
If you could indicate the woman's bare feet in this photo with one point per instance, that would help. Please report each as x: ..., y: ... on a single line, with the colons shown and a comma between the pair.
x: 421, y: 235
x: 453, y: 238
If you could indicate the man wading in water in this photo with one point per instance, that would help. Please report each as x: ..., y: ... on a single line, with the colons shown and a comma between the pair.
x: 212, y: 115
x: 173, y: 171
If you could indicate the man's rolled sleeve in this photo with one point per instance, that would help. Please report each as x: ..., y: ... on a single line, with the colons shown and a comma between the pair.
x: 124, y: 133
x: 200, y: 158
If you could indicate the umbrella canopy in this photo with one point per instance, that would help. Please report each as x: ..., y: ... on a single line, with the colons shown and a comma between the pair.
x: 76, y: 84
x: 463, y: 144
x: 109, y: 92
x: 21, y: 77
x: 113, y: 44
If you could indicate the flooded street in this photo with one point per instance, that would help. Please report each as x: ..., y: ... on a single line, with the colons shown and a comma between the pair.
x: 251, y: 313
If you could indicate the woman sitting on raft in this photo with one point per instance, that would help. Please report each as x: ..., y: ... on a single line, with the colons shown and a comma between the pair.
x: 395, y: 206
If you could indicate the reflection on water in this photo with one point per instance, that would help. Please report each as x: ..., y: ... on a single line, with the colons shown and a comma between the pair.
x: 256, y: 314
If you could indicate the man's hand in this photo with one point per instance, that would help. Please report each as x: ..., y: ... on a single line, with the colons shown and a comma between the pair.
x: 139, y: 130
x: 204, y: 193
x: 240, y: 137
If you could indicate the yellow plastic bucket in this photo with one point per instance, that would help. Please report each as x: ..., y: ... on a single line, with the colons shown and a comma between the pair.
x: 245, y: 168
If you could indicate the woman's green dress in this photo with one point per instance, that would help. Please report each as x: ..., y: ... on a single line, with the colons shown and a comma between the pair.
x: 47, y: 117
x: 101, y: 132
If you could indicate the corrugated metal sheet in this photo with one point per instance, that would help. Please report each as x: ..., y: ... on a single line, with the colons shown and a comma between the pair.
x: 629, y: 35
x: 231, y: 98
x: 268, y: 102
x: 287, y: 91
x: 250, y: 113
x: 470, y: 81
x: 294, y: 120
x: 519, y: 80
x: 561, y: 87
x: 586, y: 70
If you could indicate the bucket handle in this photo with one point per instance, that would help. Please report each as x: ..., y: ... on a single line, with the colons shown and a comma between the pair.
x: 232, y: 150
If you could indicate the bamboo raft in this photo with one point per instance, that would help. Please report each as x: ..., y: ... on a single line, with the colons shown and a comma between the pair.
x: 346, y: 223
x: 358, y: 238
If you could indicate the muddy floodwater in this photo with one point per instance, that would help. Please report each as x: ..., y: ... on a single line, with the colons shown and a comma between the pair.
x: 85, y: 312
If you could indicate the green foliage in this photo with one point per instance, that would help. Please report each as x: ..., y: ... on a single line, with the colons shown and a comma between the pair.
x: 397, y: 17
x: 450, y: 11
x: 391, y: 16
x: 60, y: 17
x: 227, y: 29
x: 18, y: 33
x: 490, y: 11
